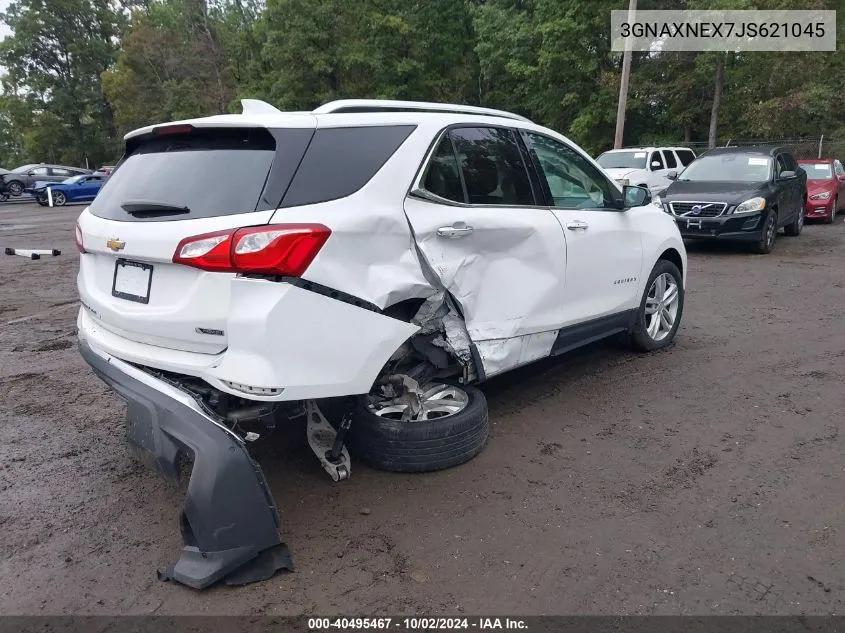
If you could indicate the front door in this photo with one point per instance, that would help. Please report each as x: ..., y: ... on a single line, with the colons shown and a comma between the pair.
x: 494, y: 246
x: 604, y: 250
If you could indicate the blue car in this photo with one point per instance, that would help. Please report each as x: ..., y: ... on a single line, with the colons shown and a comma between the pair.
x: 76, y: 189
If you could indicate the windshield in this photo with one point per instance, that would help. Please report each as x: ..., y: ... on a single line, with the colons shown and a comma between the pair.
x: 729, y: 168
x: 22, y: 169
x: 72, y: 179
x: 817, y: 171
x: 622, y: 160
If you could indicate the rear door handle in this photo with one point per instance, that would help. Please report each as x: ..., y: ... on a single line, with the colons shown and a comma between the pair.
x: 577, y: 225
x: 457, y: 230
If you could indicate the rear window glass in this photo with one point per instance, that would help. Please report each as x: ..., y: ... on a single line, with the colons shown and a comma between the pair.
x: 685, y: 156
x: 340, y: 161
x: 211, y: 173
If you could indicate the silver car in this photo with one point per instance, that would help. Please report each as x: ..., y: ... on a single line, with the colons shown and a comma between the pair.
x: 25, y: 176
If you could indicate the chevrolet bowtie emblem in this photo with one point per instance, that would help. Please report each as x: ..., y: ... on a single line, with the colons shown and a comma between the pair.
x: 115, y: 244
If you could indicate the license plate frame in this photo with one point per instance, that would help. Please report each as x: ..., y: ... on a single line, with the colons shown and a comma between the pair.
x: 138, y: 281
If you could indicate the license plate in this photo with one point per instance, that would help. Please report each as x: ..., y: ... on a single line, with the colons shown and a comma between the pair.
x: 132, y: 281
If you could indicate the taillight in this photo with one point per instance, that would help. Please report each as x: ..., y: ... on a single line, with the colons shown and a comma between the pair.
x: 281, y: 249
x: 79, y: 245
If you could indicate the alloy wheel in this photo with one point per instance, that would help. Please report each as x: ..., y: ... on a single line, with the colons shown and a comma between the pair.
x: 661, y: 306
x: 437, y: 400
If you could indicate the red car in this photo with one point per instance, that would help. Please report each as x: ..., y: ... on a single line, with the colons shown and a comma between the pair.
x: 825, y: 188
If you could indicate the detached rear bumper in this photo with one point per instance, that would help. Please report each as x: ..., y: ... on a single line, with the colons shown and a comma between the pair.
x: 229, y: 522
x: 729, y: 227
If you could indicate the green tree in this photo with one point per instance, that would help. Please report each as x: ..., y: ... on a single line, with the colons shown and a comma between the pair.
x: 55, y: 56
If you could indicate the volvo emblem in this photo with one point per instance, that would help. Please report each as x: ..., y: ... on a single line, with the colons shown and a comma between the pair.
x: 696, y: 210
x: 115, y: 244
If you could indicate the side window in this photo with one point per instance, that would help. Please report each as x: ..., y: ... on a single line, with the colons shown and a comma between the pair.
x: 40, y: 171
x: 442, y: 177
x: 655, y: 158
x: 573, y: 182
x: 341, y: 160
x: 838, y: 167
x: 780, y: 165
x: 669, y: 159
x: 685, y: 156
x: 789, y: 161
x: 492, y: 166
x: 64, y: 173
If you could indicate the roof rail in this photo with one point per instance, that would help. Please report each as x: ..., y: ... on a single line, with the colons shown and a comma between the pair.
x: 385, y: 105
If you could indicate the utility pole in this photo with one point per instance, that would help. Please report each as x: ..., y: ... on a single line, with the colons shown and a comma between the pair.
x: 623, y: 84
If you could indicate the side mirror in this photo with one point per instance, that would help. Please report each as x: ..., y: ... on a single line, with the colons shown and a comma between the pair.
x: 787, y: 175
x: 841, y: 177
x: 635, y: 196
x: 672, y: 175
x: 655, y: 164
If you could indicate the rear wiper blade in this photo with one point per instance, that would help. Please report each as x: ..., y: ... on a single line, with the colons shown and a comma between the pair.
x: 152, y: 208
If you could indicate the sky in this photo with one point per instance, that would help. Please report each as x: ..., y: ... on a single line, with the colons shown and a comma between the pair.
x: 4, y: 30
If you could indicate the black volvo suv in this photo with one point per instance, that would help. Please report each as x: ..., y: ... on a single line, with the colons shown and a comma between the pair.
x: 738, y: 193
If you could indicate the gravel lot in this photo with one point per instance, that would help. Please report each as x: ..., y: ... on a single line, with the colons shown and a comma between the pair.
x: 704, y: 479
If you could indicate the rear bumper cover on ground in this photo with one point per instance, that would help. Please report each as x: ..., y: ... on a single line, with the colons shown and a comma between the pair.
x: 229, y: 521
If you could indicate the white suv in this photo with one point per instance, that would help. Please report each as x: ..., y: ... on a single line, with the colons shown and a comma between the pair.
x: 240, y: 269
x: 646, y: 166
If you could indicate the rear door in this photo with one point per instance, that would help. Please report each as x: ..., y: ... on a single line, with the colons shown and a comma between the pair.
x: 57, y: 174
x: 170, y: 186
x: 493, y: 244
x: 603, y: 245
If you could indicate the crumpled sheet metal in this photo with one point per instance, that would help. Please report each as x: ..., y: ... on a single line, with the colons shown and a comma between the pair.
x: 501, y: 355
x: 506, y: 276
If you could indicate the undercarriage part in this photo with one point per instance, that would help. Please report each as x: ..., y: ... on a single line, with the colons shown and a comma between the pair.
x: 229, y: 521
x: 322, y: 439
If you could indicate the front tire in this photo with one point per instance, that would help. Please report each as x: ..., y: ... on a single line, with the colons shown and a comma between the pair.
x: 451, y: 429
x: 661, y: 308
x: 766, y: 243
x: 15, y: 188
x: 832, y: 217
x: 59, y: 199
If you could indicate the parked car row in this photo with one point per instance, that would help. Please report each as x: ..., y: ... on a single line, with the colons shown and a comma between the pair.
x: 34, y: 179
x: 742, y: 194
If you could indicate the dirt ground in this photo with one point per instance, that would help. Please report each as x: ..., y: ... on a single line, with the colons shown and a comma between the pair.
x: 706, y: 479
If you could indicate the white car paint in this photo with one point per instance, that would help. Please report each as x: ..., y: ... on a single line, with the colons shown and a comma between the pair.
x: 518, y: 278
x: 654, y: 173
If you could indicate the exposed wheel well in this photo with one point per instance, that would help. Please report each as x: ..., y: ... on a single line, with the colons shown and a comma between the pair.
x: 671, y: 255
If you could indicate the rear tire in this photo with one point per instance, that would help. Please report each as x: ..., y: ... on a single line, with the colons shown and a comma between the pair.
x: 793, y: 229
x: 766, y: 243
x: 415, y: 446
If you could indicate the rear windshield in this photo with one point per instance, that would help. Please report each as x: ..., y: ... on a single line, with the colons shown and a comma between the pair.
x: 213, y: 172
x: 209, y: 173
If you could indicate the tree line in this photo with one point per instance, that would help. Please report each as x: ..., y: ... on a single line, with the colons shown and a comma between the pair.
x: 81, y: 73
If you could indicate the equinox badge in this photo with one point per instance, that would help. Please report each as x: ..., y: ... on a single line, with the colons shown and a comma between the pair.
x: 115, y: 244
